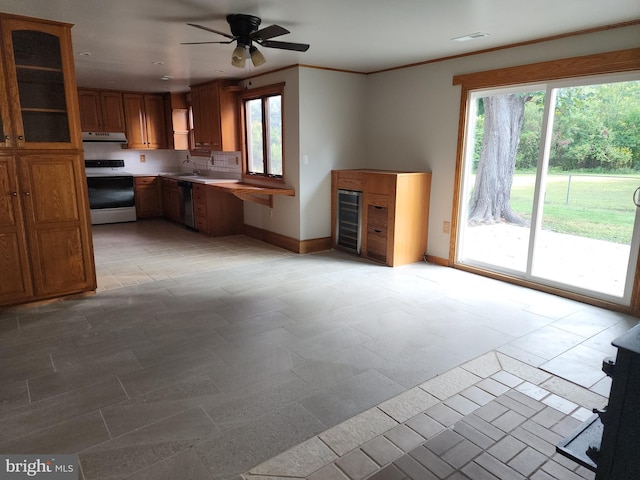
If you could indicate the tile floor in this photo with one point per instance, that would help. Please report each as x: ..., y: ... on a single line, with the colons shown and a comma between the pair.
x: 491, y: 418
x: 202, y: 358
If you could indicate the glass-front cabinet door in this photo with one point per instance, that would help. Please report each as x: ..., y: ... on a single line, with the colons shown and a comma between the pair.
x: 5, y: 119
x: 40, y: 95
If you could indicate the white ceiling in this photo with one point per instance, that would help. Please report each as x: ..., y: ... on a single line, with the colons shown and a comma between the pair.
x: 125, y: 37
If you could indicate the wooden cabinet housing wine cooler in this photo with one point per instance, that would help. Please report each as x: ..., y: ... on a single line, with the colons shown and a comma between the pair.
x: 391, y: 223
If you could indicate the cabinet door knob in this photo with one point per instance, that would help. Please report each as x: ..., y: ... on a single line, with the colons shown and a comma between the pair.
x: 7, y: 137
x: 20, y: 137
x: 27, y: 194
x: 15, y: 194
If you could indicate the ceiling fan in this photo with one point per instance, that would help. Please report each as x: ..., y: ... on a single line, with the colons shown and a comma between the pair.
x: 244, y: 31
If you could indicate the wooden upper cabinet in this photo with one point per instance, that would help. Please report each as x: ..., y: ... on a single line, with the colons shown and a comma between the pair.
x: 215, y: 116
x: 101, y: 111
x: 156, y: 121
x: 90, y: 110
x: 145, y: 121
x: 39, y: 97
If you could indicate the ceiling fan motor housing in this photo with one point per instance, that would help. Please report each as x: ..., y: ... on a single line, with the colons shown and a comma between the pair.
x: 242, y: 26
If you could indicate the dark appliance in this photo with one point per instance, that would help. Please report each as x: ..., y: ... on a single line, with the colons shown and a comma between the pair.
x: 608, y: 443
x: 349, y: 220
x: 186, y: 203
x: 111, y: 192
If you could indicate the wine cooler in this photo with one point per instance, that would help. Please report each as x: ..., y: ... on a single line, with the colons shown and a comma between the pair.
x: 349, y: 220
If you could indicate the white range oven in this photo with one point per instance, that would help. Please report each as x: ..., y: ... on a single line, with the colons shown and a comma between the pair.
x: 111, y: 195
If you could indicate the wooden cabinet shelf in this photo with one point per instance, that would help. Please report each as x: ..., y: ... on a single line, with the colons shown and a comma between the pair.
x: 394, y: 216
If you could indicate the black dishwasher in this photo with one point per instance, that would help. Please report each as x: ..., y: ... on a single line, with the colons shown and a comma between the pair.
x: 186, y: 203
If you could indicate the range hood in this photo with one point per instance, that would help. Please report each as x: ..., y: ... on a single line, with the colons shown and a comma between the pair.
x: 113, y: 137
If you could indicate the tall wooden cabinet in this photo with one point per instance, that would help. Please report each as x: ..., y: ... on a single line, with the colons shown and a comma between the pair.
x: 215, y: 116
x: 45, y: 237
x: 394, y: 212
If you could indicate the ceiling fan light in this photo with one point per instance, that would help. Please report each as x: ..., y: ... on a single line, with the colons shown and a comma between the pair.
x: 256, y: 57
x: 239, y: 56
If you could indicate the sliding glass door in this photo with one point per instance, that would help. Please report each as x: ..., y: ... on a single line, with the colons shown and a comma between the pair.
x: 549, y: 176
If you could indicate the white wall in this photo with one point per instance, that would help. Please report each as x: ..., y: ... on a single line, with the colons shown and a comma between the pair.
x: 332, y: 107
x: 412, y: 116
x: 324, y: 124
x: 284, y: 217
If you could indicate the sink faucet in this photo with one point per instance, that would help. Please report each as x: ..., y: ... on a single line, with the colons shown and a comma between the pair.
x: 195, y: 167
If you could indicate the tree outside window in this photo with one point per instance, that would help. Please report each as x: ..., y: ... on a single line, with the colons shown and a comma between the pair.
x: 263, y: 132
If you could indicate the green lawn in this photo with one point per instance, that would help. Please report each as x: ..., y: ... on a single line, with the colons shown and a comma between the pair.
x: 598, y: 207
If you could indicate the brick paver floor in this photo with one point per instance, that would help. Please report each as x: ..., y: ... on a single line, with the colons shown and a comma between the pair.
x: 493, y: 418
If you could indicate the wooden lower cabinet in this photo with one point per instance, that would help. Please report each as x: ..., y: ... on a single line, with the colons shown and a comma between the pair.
x: 395, y: 212
x: 225, y: 213
x: 217, y: 213
x: 377, y: 232
x: 15, y: 281
x: 148, y: 197
x: 45, y: 243
x: 200, y: 211
x: 171, y: 199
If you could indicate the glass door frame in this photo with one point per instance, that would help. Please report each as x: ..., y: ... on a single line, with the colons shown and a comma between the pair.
x: 566, y: 74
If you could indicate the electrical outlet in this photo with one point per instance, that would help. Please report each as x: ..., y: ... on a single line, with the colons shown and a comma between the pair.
x: 143, y: 159
x: 446, y: 226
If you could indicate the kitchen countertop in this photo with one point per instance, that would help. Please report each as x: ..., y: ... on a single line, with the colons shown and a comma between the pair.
x: 244, y: 191
x: 197, y: 178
